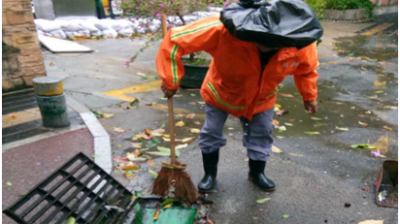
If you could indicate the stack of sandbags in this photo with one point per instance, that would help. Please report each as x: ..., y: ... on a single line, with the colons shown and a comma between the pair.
x: 109, y: 28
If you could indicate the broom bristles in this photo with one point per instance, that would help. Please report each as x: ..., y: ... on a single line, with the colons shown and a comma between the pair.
x: 184, y: 187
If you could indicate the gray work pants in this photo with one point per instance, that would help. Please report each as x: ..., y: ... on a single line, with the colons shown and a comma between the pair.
x: 256, y: 134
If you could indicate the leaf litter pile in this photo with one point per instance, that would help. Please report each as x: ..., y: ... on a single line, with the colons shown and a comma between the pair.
x: 147, y: 144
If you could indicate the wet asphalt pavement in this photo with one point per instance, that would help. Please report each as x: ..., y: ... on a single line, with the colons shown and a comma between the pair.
x: 315, y: 175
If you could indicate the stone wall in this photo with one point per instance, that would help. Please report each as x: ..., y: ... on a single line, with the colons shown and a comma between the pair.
x: 22, y: 57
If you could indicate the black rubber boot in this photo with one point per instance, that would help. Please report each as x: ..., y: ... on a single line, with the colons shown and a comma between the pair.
x: 210, y: 163
x: 257, y: 175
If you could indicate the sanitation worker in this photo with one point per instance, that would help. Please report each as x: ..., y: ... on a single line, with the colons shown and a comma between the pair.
x: 255, y: 45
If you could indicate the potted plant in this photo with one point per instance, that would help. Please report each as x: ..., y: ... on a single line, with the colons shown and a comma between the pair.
x: 146, y: 11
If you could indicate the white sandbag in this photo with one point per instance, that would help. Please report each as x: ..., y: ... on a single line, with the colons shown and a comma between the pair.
x: 58, y: 33
x: 102, y: 24
x: 46, y: 25
x: 120, y: 24
x: 110, y: 33
x: 72, y: 25
x: 126, y: 32
x: 97, y: 33
x: 88, y: 25
x: 84, y: 33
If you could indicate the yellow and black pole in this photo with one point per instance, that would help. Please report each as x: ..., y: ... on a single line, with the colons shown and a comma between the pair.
x: 51, y: 101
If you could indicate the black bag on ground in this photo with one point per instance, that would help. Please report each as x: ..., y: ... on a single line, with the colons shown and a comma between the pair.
x: 275, y: 24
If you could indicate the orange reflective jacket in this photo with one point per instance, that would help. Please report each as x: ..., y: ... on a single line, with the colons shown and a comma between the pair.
x: 235, y: 82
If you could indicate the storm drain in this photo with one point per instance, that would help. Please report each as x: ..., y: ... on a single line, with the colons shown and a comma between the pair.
x: 79, y: 189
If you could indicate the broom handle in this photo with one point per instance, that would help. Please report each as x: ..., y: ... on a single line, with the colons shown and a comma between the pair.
x: 172, y: 128
x: 170, y: 102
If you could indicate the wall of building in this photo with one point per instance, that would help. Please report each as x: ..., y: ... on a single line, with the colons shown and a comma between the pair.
x: 22, y: 58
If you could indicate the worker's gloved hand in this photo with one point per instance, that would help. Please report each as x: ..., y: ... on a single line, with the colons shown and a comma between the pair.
x: 168, y: 93
x: 311, y: 106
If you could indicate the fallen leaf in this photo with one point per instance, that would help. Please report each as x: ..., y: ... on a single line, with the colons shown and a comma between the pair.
x: 316, y: 118
x: 363, y: 146
x: 368, y: 112
x: 150, y: 104
x: 153, y: 173
x: 192, y: 94
x: 276, y: 149
x: 281, y: 112
x: 201, y: 102
x: 282, y: 128
x: 387, y: 128
x: 379, y: 84
x: 186, y: 140
x: 159, y: 131
x: 278, y: 106
x: 159, y: 153
x: 197, y: 122
x: 371, y: 222
x: 263, y: 200
x: 246, y: 159
x: 8, y: 183
x: 279, y: 137
x: 275, y: 122
x: 179, y: 115
x: 191, y: 116
x: 373, y: 97
x: 151, y: 162
x: 382, y: 144
x: 163, y: 98
x: 181, y: 146
x: 104, y: 115
x: 138, y: 159
x: 166, y: 139
x: 288, y: 124
x: 312, y: 132
x: 128, y: 175
x: 133, y: 168
x: 223, y: 189
x: 195, y: 130
x: 136, y: 145
x: 285, y: 216
x: 120, y: 159
x: 294, y: 154
x: 180, y: 124
x: 365, y: 188
x: 363, y: 124
x: 140, y: 136
x: 70, y: 220
x: 286, y: 95
x: 210, y: 221
x: 156, y: 213
x: 347, y: 205
x: 134, y: 102
x: 152, y: 143
x: 168, y: 206
x: 12, y: 116
x: 379, y: 91
x: 342, y: 129
x: 51, y: 63
x: 119, y: 130
x: 231, y: 128
x: 390, y: 107
x: 163, y: 149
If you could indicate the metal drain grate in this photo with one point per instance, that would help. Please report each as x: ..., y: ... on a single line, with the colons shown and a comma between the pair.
x: 80, y: 189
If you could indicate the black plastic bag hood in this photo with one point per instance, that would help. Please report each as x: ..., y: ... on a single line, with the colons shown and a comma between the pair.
x: 275, y: 24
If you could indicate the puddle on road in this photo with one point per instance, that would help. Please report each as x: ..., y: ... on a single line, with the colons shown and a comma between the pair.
x: 381, y: 47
